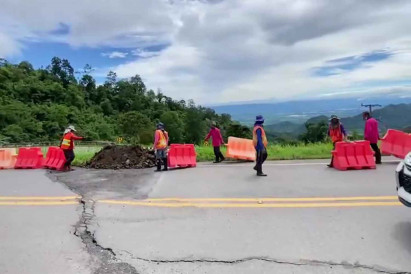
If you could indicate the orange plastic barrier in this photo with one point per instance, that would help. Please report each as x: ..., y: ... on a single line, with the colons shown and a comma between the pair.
x: 55, y: 158
x: 355, y: 155
x: 8, y: 158
x: 182, y: 156
x: 239, y: 148
x: 29, y: 157
x: 396, y: 143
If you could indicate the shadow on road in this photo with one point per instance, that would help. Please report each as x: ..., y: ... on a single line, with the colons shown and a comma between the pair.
x: 402, y: 233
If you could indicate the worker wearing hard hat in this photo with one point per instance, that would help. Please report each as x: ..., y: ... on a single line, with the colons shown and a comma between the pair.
x: 260, y: 144
x: 215, y: 134
x: 67, y: 145
x: 336, y: 132
x: 160, y: 147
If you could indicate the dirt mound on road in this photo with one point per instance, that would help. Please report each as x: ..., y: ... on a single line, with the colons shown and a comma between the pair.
x: 119, y: 157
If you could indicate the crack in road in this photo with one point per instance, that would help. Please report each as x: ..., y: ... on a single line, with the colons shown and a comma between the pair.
x: 270, y: 260
x: 104, y: 257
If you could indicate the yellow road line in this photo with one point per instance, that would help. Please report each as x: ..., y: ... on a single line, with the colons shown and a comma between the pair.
x: 40, y: 198
x: 308, y: 199
x: 245, y: 205
x: 25, y: 203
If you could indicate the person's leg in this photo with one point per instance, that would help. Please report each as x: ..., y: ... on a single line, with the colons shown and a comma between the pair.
x: 67, y: 156
x: 158, y: 159
x: 258, y: 162
x: 165, y: 163
x: 260, y: 159
x: 377, y: 153
x: 216, y: 154
x: 332, y: 158
x: 70, y: 158
x: 265, y: 155
x: 222, y: 158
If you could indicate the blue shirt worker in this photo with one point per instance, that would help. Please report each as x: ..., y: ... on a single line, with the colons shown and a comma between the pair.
x: 260, y: 144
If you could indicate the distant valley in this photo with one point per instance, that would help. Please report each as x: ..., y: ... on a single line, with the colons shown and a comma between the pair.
x: 300, y: 111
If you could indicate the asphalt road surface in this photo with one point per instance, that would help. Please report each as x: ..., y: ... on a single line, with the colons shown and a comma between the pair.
x: 302, y: 218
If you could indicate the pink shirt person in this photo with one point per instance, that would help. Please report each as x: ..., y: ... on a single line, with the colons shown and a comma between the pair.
x: 371, y: 131
x: 215, y: 134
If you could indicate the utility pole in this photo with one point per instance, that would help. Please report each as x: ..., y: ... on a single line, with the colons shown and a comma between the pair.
x: 370, y: 106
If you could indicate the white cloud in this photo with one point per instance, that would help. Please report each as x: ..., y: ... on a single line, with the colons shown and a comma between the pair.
x: 225, y: 51
x: 115, y: 54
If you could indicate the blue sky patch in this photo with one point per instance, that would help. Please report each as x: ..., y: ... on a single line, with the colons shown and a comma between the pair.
x: 349, y: 63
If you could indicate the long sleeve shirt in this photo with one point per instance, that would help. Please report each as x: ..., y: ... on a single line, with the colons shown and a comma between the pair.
x: 215, y: 134
x: 260, y: 143
x: 71, y: 136
x: 371, y: 131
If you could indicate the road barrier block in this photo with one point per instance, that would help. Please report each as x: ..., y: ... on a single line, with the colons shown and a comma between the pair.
x: 29, y: 157
x: 396, y: 143
x: 241, y: 149
x: 180, y: 155
x: 55, y: 158
x: 354, y: 155
x: 8, y: 158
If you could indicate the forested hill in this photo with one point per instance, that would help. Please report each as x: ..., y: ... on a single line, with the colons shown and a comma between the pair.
x: 37, y: 104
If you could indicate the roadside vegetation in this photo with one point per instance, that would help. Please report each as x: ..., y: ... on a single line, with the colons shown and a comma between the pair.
x: 205, y: 153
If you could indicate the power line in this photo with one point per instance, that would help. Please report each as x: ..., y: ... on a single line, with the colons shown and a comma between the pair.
x: 370, y: 106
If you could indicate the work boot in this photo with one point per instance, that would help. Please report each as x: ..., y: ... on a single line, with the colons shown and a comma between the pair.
x: 158, y: 165
x: 261, y: 174
x: 165, y: 164
x: 255, y: 168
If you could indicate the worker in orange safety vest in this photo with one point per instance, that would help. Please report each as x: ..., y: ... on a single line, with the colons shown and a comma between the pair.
x: 160, y: 147
x: 260, y: 144
x: 67, y: 145
x: 336, y: 132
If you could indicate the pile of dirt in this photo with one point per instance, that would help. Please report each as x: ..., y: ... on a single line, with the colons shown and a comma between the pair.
x: 119, y: 157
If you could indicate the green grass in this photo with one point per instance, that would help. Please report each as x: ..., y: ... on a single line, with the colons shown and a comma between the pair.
x: 278, y: 152
x: 83, y: 153
x: 205, y: 153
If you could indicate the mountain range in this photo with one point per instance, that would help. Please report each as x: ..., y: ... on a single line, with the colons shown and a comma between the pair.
x: 301, y: 110
x: 392, y: 116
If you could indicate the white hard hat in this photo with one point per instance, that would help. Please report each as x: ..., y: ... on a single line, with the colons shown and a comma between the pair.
x: 71, y: 128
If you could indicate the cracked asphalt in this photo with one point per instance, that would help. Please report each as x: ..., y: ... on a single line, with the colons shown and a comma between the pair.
x: 209, y: 219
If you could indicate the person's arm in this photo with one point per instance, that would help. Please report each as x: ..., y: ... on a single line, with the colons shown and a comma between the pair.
x: 156, y: 137
x: 166, y: 135
x: 208, y: 136
x: 344, y: 133
x: 75, y: 137
x: 259, y: 138
x: 221, y: 137
x: 367, y: 130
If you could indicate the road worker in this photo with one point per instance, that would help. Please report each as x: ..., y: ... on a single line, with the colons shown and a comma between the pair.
x: 336, y: 132
x: 160, y: 147
x: 215, y: 134
x: 372, y: 134
x: 67, y: 145
x: 260, y: 144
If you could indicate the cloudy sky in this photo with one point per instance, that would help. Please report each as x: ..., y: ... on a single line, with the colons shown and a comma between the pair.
x: 222, y: 51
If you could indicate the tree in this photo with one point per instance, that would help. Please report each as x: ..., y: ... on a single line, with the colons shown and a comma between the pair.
x: 174, y: 125
x: 240, y: 131
x: 134, y: 126
x: 37, y: 104
x: 315, y: 132
x: 195, y: 126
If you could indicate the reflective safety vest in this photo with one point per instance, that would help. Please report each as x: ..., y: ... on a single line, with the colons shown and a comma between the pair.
x: 162, y: 139
x: 65, y: 144
x: 335, y: 134
x: 263, y: 136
